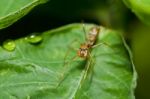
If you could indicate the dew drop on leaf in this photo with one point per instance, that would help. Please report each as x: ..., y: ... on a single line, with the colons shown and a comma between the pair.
x: 34, y: 38
x: 9, y: 45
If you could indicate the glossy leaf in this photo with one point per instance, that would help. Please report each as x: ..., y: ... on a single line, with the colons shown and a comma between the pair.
x: 141, y: 8
x: 38, y: 71
x: 13, y: 10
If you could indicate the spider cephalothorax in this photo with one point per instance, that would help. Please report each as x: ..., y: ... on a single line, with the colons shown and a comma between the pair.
x: 83, y: 51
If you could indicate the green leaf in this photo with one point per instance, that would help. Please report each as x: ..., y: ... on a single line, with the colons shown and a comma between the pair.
x: 13, y: 10
x: 37, y: 71
x: 141, y: 8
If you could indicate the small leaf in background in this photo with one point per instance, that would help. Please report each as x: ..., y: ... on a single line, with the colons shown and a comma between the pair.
x: 10, y: 11
x: 141, y: 8
x: 35, y: 71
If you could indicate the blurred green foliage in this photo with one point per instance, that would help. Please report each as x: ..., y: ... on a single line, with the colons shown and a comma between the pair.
x: 12, y: 11
x: 141, y: 8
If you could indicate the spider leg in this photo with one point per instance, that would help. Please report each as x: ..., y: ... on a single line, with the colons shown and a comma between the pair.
x: 84, y: 30
x: 103, y: 43
x: 66, y: 62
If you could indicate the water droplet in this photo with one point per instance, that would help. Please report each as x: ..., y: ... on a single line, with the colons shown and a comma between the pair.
x: 34, y: 38
x: 9, y: 45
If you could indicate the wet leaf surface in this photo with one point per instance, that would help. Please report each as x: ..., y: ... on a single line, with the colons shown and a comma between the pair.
x: 38, y: 71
